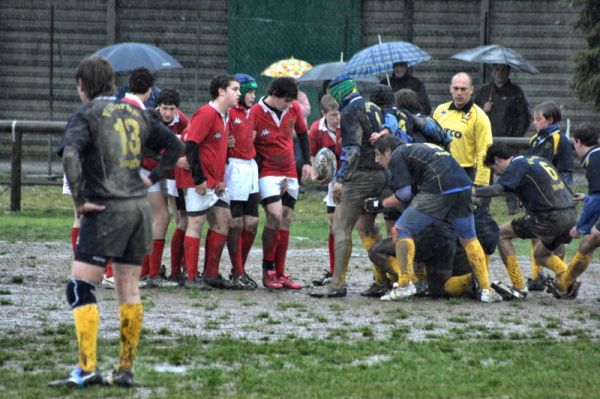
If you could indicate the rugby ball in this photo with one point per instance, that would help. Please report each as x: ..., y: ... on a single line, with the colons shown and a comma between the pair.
x: 324, y: 164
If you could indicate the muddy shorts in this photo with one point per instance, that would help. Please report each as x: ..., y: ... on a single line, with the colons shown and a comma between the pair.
x: 121, y: 232
x: 552, y: 228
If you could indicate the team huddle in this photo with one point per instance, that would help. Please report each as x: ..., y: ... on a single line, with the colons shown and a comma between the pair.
x: 428, y: 176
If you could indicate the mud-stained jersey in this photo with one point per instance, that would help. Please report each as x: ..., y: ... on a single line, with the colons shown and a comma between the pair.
x: 109, y: 138
x: 428, y: 167
x: 537, y: 184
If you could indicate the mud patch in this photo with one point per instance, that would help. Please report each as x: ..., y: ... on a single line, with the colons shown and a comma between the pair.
x: 33, y: 276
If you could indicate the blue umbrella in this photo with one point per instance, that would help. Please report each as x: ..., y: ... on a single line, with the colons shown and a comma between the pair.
x: 129, y: 56
x: 322, y: 72
x: 494, y: 54
x: 381, y: 57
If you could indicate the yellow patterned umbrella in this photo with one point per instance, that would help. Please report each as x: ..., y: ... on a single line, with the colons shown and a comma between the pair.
x: 290, y: 67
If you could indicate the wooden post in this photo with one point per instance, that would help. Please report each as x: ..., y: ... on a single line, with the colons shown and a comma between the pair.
x: 484, y: 32
x: 409, y: 12
x: 111, y: 21
x: 15, y: 169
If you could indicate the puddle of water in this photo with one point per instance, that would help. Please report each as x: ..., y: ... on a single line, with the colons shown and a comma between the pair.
x: 170, y: 368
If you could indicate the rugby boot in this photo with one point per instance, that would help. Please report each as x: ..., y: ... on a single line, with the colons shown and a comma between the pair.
x: 78, y: 379
x: 538, y: 283
x: 488, y: 295
x: 570, y: 293
x: 108, y: 282
x: 198, y: 283
x: 217, y: 281
x: 120, y: 378
x: 270, y: 280
x: 161, y: 282
x: 327, y: 291
x: 325, y: 279
x: 376, y: 290
x: 242, y: 282
x: 287, y: 282
x: 508, y: 293
x: 398, y: 293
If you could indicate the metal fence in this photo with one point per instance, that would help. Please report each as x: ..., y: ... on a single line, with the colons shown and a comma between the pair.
x: 28, y: 154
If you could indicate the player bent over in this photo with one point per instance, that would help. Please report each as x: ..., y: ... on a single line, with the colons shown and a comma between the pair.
x: 549, y: 204
x: 102, y: 152
x: 437, y: 249
x: 444, y: 194
x: 206, y: 195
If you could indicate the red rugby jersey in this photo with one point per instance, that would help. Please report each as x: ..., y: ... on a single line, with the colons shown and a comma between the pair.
x: 208, y: 129
x: 321, y: 137
x: 241, y: 131
x: 274, y: 141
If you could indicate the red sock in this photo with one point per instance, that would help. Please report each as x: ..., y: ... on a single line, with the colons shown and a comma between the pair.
x: 158, y: 247
x: 213, y: 248
x: 247, y: 241
x: 282, y: 246
x: 177, y: 251
x: 109, y: 271
x: 270, y: 238
x: 191, y: 247
x: 145, y: 266
x: 74, y: 236
x: 331, y: 252
x: 234, y: 247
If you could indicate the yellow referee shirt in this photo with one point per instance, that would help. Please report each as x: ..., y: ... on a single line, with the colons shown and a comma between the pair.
x: 472, y: 134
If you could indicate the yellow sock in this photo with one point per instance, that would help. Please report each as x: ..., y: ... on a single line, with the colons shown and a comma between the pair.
x: 405, y: 254
x: 394, y: 266
x: 368, y: 243
x: 555, y: 264
x: 487, y: 262
x: 87, y: 322
x: 478, y: 263
x: 458, y: 285
x: 514, y: 271
x: 131, y: 315
x: 535, y: 267
x: 578, y: 265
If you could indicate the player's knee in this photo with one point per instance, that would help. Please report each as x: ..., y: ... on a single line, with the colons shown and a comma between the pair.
x: 80, y: 293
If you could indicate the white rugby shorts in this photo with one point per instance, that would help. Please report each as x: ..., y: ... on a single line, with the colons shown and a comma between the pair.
x: 172, y: 188
x: 241, y: 177
x: 195, y: 202
x: 270, y: 186
x: 158, y: 187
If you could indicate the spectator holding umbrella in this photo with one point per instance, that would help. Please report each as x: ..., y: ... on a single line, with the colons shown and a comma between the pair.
x: 504, y: 103
x: 402, y: 79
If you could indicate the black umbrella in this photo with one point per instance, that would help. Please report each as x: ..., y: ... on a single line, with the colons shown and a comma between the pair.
x: 494, y: 54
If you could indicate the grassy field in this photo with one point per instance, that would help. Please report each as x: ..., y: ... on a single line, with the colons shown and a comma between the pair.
x: 470, y: 359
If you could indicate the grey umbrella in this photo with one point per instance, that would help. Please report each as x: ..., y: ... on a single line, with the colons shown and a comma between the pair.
x: 494, y: 54
x: 129, y: 56
x: 322, y: 72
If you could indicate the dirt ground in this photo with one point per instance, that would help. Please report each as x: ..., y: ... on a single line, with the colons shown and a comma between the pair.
x: 32, y: 278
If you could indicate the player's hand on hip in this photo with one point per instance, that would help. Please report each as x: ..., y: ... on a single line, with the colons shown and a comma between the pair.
x: 220, y: 188
x: 89, y: 207
x: 201, y: 188
x: 338, y: 188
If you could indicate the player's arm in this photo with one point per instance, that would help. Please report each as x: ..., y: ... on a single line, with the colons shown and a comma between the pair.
x: 352, y: 133
x: 489, y: 191
x: 161, y: 138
